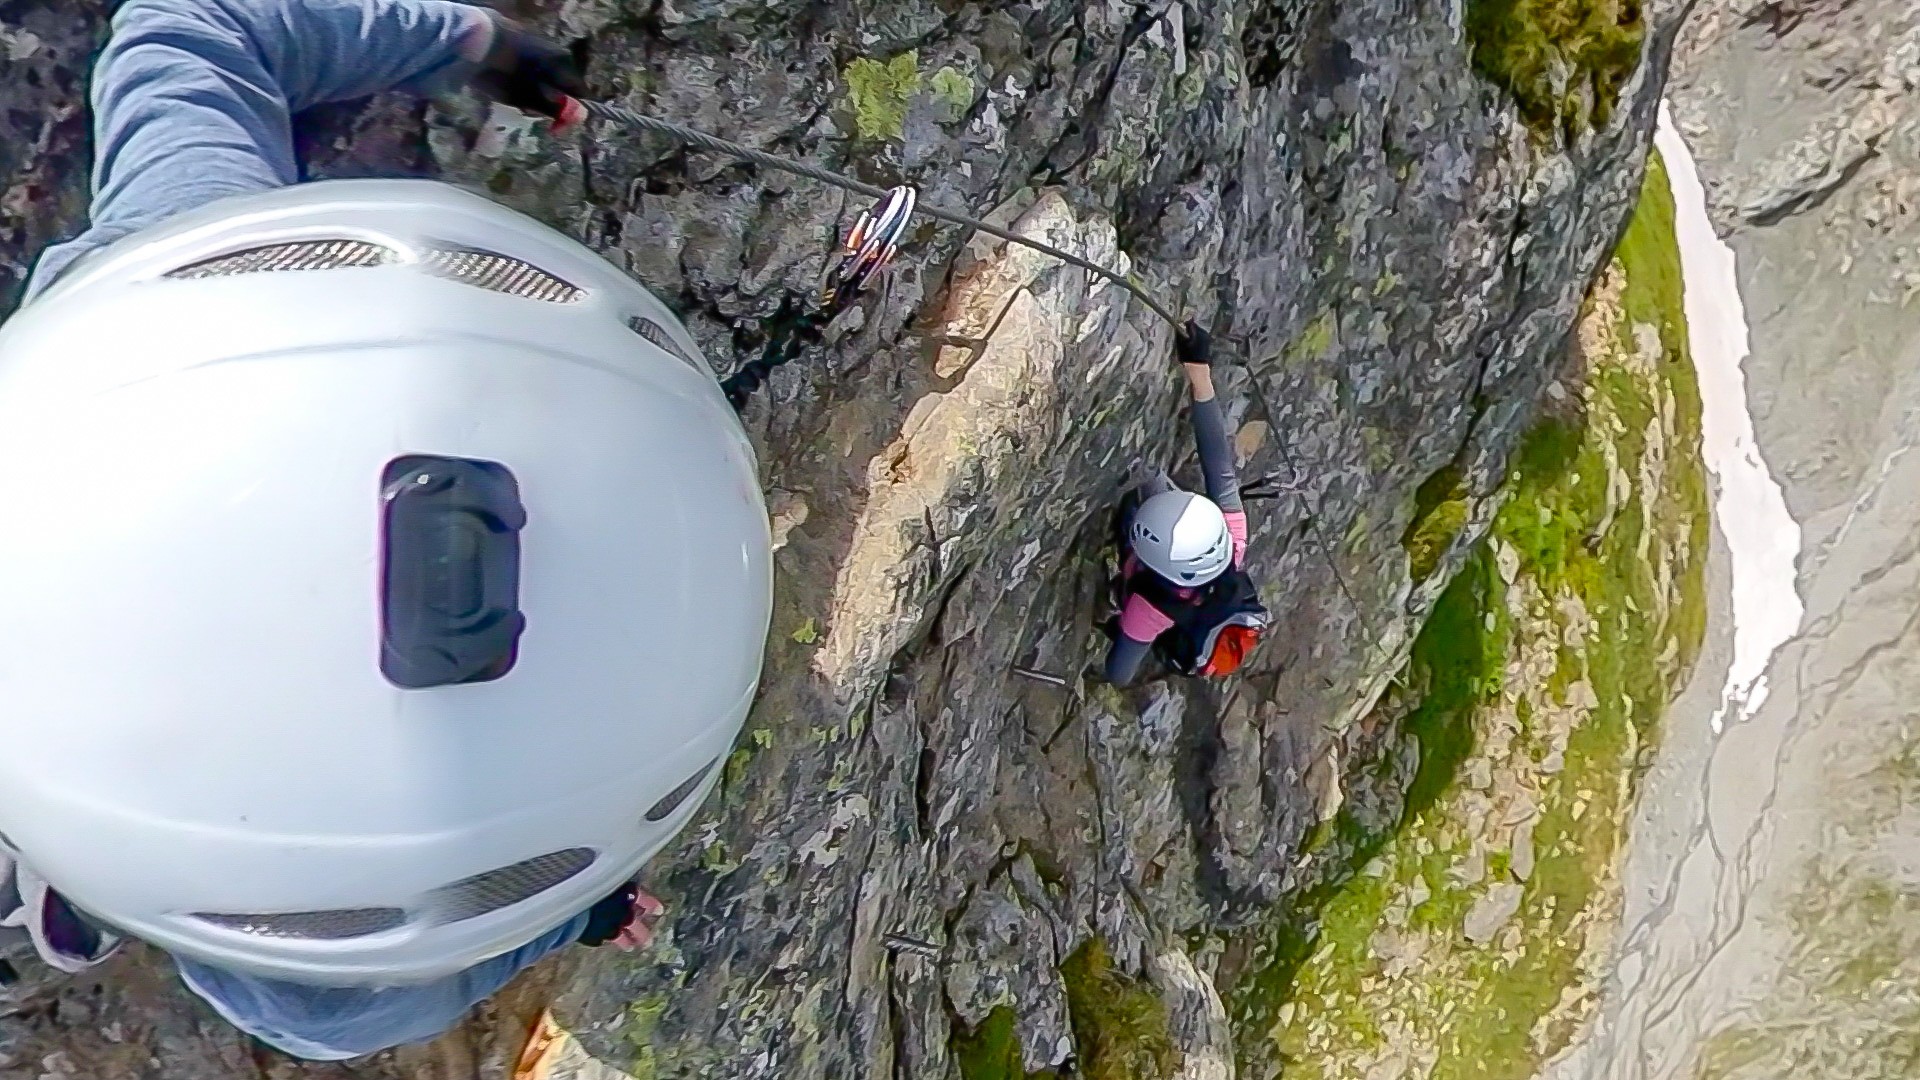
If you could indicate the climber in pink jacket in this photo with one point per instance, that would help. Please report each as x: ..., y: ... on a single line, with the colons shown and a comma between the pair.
x: 1184, y: 590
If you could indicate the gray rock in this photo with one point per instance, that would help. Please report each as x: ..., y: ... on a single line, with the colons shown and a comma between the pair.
x: 1196, y: 1017
x: 1004, y: 955
x: 1491, y: 912
x: 1391, y: 265
x: 1753, y: 97
x: 43, y: 128
x: 1520, y: 856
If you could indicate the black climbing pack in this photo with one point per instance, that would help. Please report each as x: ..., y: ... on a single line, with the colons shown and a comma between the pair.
x: 1215, y: 627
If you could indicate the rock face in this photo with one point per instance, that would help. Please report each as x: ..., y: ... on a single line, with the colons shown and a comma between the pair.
x: 1391, y: 261
x: 1471, y: 934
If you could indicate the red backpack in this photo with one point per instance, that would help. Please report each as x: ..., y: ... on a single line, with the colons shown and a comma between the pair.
x: 1233, y: 643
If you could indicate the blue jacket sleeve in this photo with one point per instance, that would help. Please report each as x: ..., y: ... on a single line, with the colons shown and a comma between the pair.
x: 335, y: 1023
x: 193, y: 99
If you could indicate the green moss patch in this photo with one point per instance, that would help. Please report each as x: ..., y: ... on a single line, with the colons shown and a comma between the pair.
x: 878, y: 94
x: 1564, y: 61
x: 1316, y: 339
x: 1439, y: 513
x: 1456, y: 659
x: 640, y: 1030
x: 1655, y: 294
x: 1119, y: 1028
x: 953, y: 88
x: 1119, y: 1023
x: 993, y: 1052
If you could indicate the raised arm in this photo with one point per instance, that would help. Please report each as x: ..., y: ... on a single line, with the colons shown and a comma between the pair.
x: 1210, y: 433
x: 1216, y: 447
x: 193, y: 99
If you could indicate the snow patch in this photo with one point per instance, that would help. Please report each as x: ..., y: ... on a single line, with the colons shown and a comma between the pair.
x: 1748, y: 501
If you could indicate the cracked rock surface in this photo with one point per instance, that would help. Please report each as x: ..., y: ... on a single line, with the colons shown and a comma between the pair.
x: 1391, y: 260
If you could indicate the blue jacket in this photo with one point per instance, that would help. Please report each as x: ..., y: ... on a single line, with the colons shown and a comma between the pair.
x: 324, y: 1023
x: 192, y: 101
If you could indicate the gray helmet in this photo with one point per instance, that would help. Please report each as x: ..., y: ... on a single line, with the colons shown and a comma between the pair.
x: 1181, y: 536
x: 396, y: 577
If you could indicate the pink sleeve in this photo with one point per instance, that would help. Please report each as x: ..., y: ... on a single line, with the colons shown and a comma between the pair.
x: 1141, y: 621
x: 1237, y: 528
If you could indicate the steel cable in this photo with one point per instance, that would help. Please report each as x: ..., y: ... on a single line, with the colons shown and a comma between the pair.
x: 618, y: 114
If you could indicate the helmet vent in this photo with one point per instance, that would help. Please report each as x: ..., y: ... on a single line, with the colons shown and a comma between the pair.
x: 320, y: 925
x: 662, y: 810
x: 301, y: 255
x: 657, y: 334
x: 498, y: 273
x: 477, y: 895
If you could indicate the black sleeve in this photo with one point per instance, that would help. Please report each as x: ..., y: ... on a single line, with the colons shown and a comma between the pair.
x: 1216, y: 454
x: 1124, y: 659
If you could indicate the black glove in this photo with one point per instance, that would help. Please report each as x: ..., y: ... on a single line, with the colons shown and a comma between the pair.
x: 529, y: 72
x: 611, y: 915
x: 1192, y: 345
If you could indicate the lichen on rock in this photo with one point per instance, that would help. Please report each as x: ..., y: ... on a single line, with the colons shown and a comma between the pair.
x: 878, y: 94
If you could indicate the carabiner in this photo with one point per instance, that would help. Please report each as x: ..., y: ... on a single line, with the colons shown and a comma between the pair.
x: 871, y: 245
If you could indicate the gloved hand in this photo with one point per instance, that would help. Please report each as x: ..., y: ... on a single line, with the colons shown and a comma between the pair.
x: 1192, y: 344
x: 609, y: 916
x: 529, y: 72
x: 624, y: 918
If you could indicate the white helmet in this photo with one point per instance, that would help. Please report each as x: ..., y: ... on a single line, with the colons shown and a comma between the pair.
x: 1182, y: 537
x: 385, y: 577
